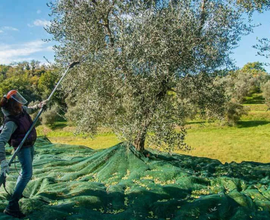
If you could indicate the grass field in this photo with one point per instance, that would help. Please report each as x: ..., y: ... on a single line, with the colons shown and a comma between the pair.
x: 249, y: 141
x: 65, y: 135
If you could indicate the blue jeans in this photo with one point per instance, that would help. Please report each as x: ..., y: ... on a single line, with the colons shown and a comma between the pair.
x: 25, y: 156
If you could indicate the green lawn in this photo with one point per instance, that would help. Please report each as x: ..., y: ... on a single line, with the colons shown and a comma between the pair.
x: 249, y: 141
x: 65, y: 135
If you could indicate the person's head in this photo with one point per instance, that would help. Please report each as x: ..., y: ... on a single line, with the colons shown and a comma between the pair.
x: 12, y: 102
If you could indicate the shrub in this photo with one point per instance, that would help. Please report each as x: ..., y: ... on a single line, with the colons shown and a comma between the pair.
x: 234, y: 112
x: 266, y: 93
x: 50, y: 115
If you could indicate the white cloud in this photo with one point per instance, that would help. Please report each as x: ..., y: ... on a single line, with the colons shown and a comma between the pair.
x: 50, y: 48
x: 9, y: 28
x: 41, y: 23
x: 38, y: 11
x: 16, y: 53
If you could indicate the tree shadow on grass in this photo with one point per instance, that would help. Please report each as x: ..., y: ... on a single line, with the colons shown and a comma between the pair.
x: 248, y: 124
x: 58, y: 125
x: 254, y: 99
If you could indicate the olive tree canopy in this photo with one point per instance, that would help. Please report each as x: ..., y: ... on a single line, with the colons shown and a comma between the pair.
x: 145, y: 63
x: 252, y: 5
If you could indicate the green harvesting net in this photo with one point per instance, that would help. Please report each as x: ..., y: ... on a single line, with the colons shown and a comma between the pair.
x: 75, y: 182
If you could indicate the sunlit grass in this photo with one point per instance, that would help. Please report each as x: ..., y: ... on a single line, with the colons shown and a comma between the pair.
x: 66, y: 135
x: 99, y: 142
x: 249, y: 141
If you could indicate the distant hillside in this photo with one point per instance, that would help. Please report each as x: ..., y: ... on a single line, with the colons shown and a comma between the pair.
x: 75, y: 182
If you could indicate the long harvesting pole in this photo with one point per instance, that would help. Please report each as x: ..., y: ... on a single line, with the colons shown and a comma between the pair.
x: 40, y: 112
x: 2, y: 178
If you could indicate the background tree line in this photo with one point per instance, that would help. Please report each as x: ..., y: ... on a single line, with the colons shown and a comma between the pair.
x: 35, y: 82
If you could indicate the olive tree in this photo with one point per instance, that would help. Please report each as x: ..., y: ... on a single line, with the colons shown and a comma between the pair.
x: 144, y: 63
x: 238, y: 85
x: 252, y: 5
x: 266, y: 93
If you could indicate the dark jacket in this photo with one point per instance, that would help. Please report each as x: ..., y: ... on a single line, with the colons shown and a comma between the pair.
x: 23, y: 122
x: 9, y: 128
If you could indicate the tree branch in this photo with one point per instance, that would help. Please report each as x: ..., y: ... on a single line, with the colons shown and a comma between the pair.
x: 94, y: 1
x: 203, y: 16
x: 107, y: 25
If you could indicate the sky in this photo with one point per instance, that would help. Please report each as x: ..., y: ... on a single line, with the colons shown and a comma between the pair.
x: 22, y: 34
x: 22, y: 31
